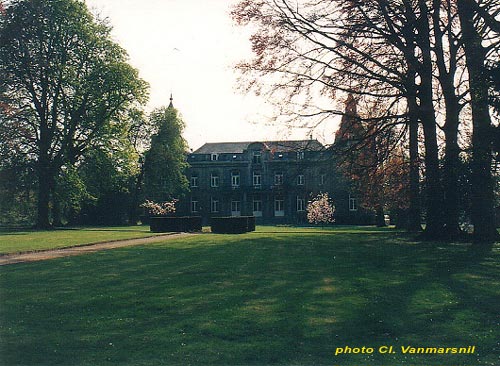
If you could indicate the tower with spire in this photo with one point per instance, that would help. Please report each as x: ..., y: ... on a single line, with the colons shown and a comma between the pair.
x: 171, y: 105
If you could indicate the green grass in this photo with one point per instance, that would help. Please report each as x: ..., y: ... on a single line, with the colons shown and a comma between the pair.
x: 24, y: 241
x: 275, y: 297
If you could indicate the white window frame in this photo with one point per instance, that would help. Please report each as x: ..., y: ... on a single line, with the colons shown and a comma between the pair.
x: 194, y: 206
x: 301, y: 204
x: 301, y: 179
x: 214, y: 180
x: 214, y: 157
x: 300, y: 155
x: 257, y: 179
x: 353, y: 203
x: 235, y: 179
x: 257, y: 157
x: 235, y: 208
x: 279, y: 207
x: 278, y: 178
x: 214, y: 205
x: 194, y: 181
x: 322, y: 179
x: 257, y: 203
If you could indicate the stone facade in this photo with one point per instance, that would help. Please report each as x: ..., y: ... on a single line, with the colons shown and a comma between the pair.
x: 271, y: 180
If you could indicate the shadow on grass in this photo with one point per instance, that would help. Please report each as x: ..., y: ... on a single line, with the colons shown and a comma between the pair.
x: 253, y: 299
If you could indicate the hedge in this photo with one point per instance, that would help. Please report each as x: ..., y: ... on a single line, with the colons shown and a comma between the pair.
x: 175, y: 224
x: 232, y: 224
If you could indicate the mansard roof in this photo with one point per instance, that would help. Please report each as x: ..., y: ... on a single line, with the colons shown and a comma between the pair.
x: 239, y: 147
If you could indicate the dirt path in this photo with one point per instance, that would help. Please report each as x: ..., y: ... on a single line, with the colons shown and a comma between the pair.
x: 82, y: 249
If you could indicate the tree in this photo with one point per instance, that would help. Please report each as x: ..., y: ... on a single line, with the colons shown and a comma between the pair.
x: 320, y: 210
x: 483, y: 215
x: 412, y: 56
x: 375, y: 166
x: 66, y: 82
x: 165, y: 161
x: 367, y: 49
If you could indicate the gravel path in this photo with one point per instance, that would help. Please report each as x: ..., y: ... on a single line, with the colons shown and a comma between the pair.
x: 82, y: 249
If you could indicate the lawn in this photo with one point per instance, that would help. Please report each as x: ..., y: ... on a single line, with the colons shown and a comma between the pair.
x: 23, y: 241
x: 279, y: 296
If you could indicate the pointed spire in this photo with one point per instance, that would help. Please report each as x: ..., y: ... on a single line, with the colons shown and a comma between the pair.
x: 171, y: 105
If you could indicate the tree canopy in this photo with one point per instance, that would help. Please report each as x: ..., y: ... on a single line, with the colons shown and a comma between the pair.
x: 165, y: 161
x: 67, y: 85
x: 420, y: 69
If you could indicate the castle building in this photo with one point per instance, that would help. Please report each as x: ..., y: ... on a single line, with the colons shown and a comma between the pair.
x: 271, y: 180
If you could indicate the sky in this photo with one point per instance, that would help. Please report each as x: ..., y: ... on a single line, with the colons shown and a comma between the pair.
x: 188, y: 48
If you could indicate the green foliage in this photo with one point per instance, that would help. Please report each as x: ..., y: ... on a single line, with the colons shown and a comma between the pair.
x: 65, y: 84
x: 17, y: 192
x: 165, y: 161
x: 109, y: 179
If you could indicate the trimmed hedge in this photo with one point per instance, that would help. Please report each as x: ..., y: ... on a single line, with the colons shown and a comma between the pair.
x: 175, y: 224
x: 232, y: 224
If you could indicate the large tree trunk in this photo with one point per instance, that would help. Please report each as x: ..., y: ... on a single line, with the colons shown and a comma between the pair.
x: 379, y: 216
x: 446, y: 59
x: 450, y: 181
x: 414, y: 212
x: 434, y: 222
x: 483, y: 216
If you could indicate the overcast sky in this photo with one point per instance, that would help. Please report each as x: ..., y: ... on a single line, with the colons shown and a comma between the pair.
x: 189, y: 48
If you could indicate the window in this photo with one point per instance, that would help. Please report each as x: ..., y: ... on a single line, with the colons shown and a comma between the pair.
x: 257, y: 207
x: 257, y: 157
x: 214, y: 205
x: 322, y: 179
x: 194, y: 181
x: 301, y: 204
x: 353, y: 203
x: 214, y: 157
x: 300, y: 155
x: 235, y: 179
x: 257, y: 179
x: 278, y: 178
x: 235, y: 208
x: 300, y: 180
x: 194, y: 206
x: 214, y: 180
x: 279, y: 207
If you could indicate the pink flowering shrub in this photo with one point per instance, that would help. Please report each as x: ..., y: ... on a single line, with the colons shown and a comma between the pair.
x: 320, y: 210
x: 161, y: 208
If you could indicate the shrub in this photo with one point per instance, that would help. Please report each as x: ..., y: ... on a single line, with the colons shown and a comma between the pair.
x: 320, y: 210
x: 232, y: 225
x: 175, y: 224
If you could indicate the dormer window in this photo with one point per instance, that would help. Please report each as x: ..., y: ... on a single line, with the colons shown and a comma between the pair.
x: 214, y: 157
x: 257, y: 157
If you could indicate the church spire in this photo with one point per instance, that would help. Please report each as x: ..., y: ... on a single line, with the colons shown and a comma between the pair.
x: 171, y: 105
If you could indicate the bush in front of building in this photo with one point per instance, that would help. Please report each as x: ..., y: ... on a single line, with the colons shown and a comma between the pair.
x: 232, y: 224
x: 175, y: 224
